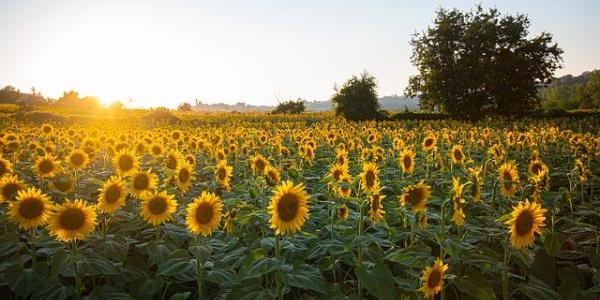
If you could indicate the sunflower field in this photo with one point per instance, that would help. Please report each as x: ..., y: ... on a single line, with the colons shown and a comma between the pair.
x: 300, y: 207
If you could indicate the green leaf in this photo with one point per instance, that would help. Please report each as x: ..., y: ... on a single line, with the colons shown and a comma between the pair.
x: 174, y: 267
x: 306, y: 277
x: 552, y: 242
x: 261, y: 267
x: 222, y: 275
x: 537, y: 289
x: 21, y: 281
x: 475, y: 287
x: 181, y: 296
x: 378, y: 280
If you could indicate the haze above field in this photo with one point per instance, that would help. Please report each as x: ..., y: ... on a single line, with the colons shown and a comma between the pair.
x: 164, y: 53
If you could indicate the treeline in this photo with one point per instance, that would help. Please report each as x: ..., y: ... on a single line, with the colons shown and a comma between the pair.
x: 70, y: 100
x: 573, y: 92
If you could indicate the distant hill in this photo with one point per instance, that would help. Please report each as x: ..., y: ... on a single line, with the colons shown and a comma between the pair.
x: 390, y: 103
x: 572, y: 92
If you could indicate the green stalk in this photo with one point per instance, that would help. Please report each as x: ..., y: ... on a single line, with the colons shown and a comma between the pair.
x: 78, y: 286
x: 278, y: 275
x: 33, y: 252
x: 505, y: 275
x: 360, y: 253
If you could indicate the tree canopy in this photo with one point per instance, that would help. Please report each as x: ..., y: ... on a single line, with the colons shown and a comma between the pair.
x: 480, y: 62
x: 357, y: 99
x: 573, y: 92
x: 290, y: 107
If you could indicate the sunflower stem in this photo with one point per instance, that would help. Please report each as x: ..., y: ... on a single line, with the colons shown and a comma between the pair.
x: 505, y: 275
x: 33, y: 251
x: 77, y: 279
x: 360, y: 254
x: 278, y: 275
x: 199, y: 279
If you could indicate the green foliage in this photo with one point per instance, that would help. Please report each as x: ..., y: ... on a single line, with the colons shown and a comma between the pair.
x: 480, y: 63
x: 290, y: 107
x: 568, y: 92
x: 357, y: 99
x: 184, y: 107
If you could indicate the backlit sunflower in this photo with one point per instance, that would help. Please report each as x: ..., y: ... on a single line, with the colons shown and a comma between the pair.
x: 46, y: 166
x: 536, y: 167
x: 526, y: 220
x: 433, y: 279
x: 112, y: 195
x: 376, y: 211
x: 336, y: 171
x: 288, y: 208
x: 258, y: 164
x: 143, y: 182
x: 184, y: 176
x: 508, y: 175
x: 173, y: 160
x: 10, y: 185
x: 5, y: 167
x: 78, y: 159
x: 30, y: 210
x: 72, y: 220
x: 458, y: 215
x: 223, y: 174
x: 63, y: 183
x: 477, y: 180
x: 457, y: 155
x: 341, y: 156
x: 407, y: 161
x: 369, y: 178
x: 204, y: 214
x: 125, y: 162
x: 416, y: 195
x: 157, y: 208
x: 156, y: 149
x: 429, y: 142
x: 272, y: 175
x: 343, y: 212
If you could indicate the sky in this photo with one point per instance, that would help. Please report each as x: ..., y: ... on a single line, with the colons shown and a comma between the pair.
x: 162, y: 53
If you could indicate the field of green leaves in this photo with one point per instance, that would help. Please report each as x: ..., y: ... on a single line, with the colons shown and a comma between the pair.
x: 263, y: 207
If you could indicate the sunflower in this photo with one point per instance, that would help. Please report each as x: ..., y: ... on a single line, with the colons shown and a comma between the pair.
x: 173, y: 160
x: 184, y: 176
x: 429, y: 142
x: 288, y: 208
x: 223, y: 174
x: 78, y: 159
x: 336, y: 171
x: 376, y: 211
x: 508, y: 175
x: 457, y: 155
x: 407, y: 161
x: 5, y: 167
x: 46, y: 166
x: 272, y: 175
x: 345, y: 188
x: 433, y: 278
x: 536, y: 167
x: 422, y: 219
x: 341, y: 156
x: 47, y: 129
x: 343, y: 212
x: 158, y: 207
x: 475, y: 177
x: 10, y: 185
x: 204, y: 214
x: 258, y: 164
x: 156, y: 149
x: 112, y: 195
x: 527, y: 218
x: 229, y: 216
x: 369, y: 178
x: 143, y: 182
x: 72, y: 220
x: 458, y: 215
x: 125, y: 162
x: 416, y: 195
x: 64, y: 184
x: 30, y: 210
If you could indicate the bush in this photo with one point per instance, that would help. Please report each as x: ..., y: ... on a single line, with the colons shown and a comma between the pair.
x: 290, y: 107
x: 357, y: 99
x: 160, y: 115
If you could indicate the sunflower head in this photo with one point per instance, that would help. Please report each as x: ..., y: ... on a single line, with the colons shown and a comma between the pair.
x: 369, y: 178
x: 173, y: 160
x: 527, y: 219
x: 508, y: 176
x: 336, y: 171
x: 288, y: 208
x: 157, y: 208
x: 143, y: 182
x: 184, y: 176
x: 345, y: 189
x: 272, y: 175
x: 125, y: 162
x: 112, y: 195
x: 78, y: 159
x: 223, y: 173
x: 407, y: 161
x: 376, y: 211
x: 72, y: 220
x: 31, y: 209
x: 46, y: 166
x: 10, y: 185
x: 5, y: 167
x: 429, y: 142
x: 416, y: 195
x: 258, y: 163
x: 433, y: 279
x: 457, y: 155
x: 343, y: 212
x: 204, y: 214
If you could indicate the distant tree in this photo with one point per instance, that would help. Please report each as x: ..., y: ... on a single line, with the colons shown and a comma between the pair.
x: 290, y: 107
x: 184, y: 107
x: 357, y: 98
x: 116, y: 106
x: 481, y: 62
x: 568, y: 92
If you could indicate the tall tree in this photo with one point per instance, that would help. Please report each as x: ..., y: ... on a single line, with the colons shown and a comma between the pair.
x: 357, y: 99
x: 481, y: 62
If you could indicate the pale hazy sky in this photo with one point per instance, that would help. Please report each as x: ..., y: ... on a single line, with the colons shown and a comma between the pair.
x: 165, y: 52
